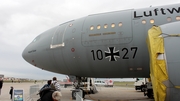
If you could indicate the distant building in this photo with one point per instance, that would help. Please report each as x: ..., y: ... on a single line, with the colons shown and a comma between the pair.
x: 1, y: 76
x: 15, y: 79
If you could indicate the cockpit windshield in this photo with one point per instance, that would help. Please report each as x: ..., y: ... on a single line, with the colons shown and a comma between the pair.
x: 36, y: 39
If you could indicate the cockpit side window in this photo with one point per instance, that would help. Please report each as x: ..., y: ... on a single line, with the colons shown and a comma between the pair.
x: 36, y: 39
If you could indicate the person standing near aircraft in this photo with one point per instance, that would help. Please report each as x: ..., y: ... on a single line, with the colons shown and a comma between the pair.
x: 45, y: 88
x: 55, y: 84
x: 49, y: 93
x: 46, y: 85
x: 11, y: 92
x: 1, y: 84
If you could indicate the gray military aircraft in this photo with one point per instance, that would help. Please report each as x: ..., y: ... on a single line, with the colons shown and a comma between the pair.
x: 106, y: 45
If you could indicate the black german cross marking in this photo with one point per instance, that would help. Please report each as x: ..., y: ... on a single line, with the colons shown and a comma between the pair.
x: 112, y: 54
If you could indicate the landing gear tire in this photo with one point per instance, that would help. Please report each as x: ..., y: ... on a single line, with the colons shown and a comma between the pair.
x: 74, y: 94
x: 142, y: 89
x: 150, y: 94
x: 91, y: 91
x: 83, y: 93
x: 65, y: 86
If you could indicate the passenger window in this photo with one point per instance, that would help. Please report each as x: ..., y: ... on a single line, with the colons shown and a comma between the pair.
x: 92, y: 27
x: 152, y: 21
x: 169, y: 19
x: 143, y: 21
x: 178, y: 18
x: 112, y: 25
x: 105, y: 25
x: 120, y: 24
x: 98, y: 27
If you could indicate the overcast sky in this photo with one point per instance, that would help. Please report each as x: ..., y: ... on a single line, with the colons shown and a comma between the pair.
x: 22, y: 20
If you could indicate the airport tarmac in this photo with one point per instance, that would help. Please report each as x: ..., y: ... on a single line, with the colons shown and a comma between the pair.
x: 104, y: 93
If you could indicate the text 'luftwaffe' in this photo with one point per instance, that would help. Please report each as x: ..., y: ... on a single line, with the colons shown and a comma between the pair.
x: 156, y: 12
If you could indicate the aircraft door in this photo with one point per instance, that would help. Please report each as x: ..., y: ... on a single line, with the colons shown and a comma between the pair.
x: 57, y: 46
x: 57, y: 38
x: 72, y: 51
x: 140, y: 30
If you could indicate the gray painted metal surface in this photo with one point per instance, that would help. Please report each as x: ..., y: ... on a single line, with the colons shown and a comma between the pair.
x: 172, y: 49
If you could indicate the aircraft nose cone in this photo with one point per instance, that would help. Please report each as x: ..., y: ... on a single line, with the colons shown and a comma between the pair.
x: 24, y: 55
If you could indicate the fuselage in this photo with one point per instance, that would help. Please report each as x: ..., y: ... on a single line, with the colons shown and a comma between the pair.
x: 106, y: 45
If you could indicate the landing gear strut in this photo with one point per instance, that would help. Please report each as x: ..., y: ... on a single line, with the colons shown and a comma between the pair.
x: 148, y: 91
x: 77, y: 84
x: 74, y: 92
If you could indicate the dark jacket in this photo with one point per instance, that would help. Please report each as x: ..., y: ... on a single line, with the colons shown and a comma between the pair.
x: 45, y: 86
x: 46, y: 94
x: 1, y: 83
x: 11, y: 91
